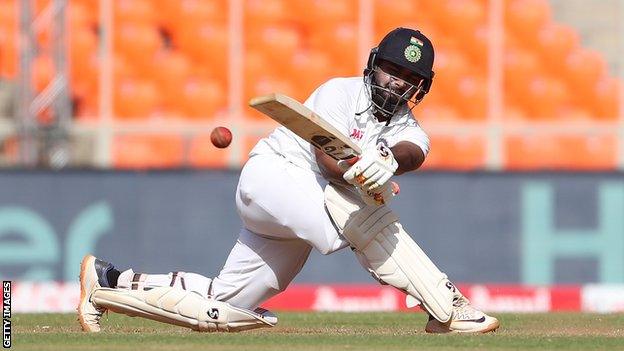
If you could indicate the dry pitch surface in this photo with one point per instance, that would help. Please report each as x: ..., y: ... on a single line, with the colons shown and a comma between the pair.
x: 325, y: 331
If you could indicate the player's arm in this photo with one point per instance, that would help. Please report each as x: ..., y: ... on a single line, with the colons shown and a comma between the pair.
x: 329, y: 167
x: 408, y: 155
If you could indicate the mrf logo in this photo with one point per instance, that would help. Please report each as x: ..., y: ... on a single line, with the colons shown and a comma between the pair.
x: 213, y: 313
x: 356, y: 134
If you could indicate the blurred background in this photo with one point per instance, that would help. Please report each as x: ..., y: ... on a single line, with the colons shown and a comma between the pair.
x: 106, y: 109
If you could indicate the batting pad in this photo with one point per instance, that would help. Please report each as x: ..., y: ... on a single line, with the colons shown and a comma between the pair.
x: 389, y: 252
x: 176, y: 306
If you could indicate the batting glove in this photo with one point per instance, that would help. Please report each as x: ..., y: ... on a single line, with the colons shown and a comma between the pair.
x: 382, y: 196
x: 373, y: 169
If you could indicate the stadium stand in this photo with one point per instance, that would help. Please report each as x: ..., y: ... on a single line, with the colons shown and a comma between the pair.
x: 171, y: 62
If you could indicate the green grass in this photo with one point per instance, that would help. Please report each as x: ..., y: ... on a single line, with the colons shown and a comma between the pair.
x: 324, y: 331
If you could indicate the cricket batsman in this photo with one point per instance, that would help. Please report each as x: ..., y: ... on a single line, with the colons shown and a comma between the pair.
x: 291, y: 198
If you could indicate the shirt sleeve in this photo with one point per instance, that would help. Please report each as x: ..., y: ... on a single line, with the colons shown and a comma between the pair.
x: 413, y: 133
x: 330, y: 102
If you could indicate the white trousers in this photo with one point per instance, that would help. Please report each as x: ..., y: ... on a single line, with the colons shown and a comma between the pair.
x: 283, y: 212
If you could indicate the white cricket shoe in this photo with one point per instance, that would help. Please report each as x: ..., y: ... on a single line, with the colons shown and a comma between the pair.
x: 465, y: 319
x: 92, y: 277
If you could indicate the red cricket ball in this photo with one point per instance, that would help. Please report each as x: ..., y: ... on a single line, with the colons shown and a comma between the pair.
x: 221, y: 137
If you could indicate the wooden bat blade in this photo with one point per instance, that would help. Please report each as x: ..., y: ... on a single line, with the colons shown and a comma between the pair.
x: 306, y: 124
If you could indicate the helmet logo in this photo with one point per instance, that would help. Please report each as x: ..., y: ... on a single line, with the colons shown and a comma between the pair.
x: 412, y: 53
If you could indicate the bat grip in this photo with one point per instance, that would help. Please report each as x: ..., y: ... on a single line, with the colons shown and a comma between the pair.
x: 347, y: 163
x: 351, y: 161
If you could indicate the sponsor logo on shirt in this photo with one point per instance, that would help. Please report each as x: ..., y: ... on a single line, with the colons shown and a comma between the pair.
x: 356, y: 134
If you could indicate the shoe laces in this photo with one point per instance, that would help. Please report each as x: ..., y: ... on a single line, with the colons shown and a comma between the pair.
x: 463, y: 310
x: 98, y: 314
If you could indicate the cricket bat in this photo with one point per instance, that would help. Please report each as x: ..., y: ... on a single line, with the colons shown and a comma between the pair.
x: 306, y: 124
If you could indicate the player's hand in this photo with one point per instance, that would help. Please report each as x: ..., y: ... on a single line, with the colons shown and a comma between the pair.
x: 373, y: 169
x: 381, y: 196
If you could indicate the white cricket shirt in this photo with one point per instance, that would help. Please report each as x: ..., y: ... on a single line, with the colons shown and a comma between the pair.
x: 338, y: 101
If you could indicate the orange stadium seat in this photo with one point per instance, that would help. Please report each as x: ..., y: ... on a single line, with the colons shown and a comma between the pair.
x: 450, y: 67
x: 182, y: 13
x: 134, y: 11
x: 472, y: 97
x: 583, y: 68
x: 456, y: 152
x: 519, y: 68
x: 512, y: 113
x: 319, y: 13
x: 135, y: 99
x: 84, y: 73
x: 84, y: 78
x: 43, y: 72
x: 605, y: 99
x: 474, y: 43
x: 83, y: 44
x: 552, y: 151
x: 458, y: 16
x: 202, y: 99
x: 8, y: 54
x: 308, y: 70
x: 525, y: 18
x: 92, y: 10
x: 434, y: 111
x: 262, y: 12
x: 390, y: 14
x: 9, y: 13
x: 168, y: 14
x: 574, y: 114
x: 81, y: 14
x: 555, y: 42
x: 544, y: 97
x: 267, y: 84
x: 434, y: 97
x: 170, y: 71
x: 280, y: 42
x: 8, y: 32
x: 138, y: 43
x: 44, y: 39
x: 338, y: 40
x: 203, y: 154
x: 207, y: 45
x: 122, y: 69
x: 257, y: 65
x: 40, y: 5
x: 84, y: 62
x: 153, y: 151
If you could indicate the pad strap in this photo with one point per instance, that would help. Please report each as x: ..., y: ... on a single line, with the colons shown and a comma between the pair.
x: 176, y: 306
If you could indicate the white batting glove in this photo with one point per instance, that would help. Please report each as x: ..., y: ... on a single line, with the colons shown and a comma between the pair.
x: 373, y: 169
x: 383, y: 195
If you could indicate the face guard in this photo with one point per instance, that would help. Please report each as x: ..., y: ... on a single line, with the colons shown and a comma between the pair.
x: 413, y: 53
x: 389, y: 101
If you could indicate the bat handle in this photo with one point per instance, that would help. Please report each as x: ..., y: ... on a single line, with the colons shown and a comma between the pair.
x: 351, y: 161
x: 347, y: 163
